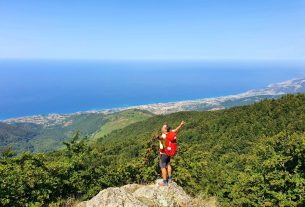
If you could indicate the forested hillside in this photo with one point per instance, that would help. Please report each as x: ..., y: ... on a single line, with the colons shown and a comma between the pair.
x: 17, y: 133
x: 245, y: 156
x: 48, y: 137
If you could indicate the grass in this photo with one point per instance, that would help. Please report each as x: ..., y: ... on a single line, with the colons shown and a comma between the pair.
x: 120, y: 120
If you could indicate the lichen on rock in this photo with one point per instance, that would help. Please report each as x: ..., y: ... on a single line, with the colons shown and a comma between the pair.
x: 135, y: 195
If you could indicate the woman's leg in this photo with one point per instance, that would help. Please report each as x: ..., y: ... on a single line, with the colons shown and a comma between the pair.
x: 169, y: 170
x: 164, y: 173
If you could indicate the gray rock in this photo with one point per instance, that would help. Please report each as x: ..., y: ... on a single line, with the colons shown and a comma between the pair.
x: 135, y: 195
x: 171, y: 195
x: 131, y: 187
x: 113, y: 197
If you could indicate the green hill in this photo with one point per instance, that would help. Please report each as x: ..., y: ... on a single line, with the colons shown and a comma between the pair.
x: 44, y: 138
x: 17, y: 133
x: 244, y: 156
x: 120, y: 120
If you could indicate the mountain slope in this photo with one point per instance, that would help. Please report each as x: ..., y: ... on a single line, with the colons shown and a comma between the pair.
x: 42, y: 134
x: 216, y: 147
x: 244, y: 156
x: 17, y: 133
x: 119, y: 120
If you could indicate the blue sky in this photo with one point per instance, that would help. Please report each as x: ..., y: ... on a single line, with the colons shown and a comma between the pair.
x: 153, y: 29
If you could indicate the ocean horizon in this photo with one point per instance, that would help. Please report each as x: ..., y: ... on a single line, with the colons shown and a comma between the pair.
x: 42, y: 87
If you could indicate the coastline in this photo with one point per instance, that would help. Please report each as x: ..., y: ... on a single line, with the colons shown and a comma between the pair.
x: 215, y: 103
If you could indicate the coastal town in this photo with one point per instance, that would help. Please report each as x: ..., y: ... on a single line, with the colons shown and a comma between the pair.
x: 218, y: 103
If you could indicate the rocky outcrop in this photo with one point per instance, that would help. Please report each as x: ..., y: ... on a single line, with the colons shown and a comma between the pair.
x: 134, y: 195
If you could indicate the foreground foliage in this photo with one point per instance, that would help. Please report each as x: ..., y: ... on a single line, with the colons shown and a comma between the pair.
x: 245, y: 156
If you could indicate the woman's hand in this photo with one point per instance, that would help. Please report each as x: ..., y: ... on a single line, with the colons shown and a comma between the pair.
x: 182, y: 123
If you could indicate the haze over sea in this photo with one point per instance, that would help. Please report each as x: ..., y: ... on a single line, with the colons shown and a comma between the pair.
x: 34, y: 87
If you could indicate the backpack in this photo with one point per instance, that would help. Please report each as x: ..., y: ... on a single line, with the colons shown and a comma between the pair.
x: 171, y: 144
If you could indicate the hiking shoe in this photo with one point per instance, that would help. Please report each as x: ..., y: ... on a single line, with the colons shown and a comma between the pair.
x: 163, y: 184
x: 169, y: 179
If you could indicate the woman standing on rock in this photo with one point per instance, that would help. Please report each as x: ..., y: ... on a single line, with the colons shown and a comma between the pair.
x: 167, y: 137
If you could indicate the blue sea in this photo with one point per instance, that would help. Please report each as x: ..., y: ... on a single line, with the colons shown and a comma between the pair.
x: 30, y: 87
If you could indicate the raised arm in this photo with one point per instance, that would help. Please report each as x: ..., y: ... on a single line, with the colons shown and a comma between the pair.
x: 179, y: 127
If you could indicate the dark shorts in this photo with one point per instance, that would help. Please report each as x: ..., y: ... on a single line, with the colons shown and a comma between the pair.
x: 164, y: 160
